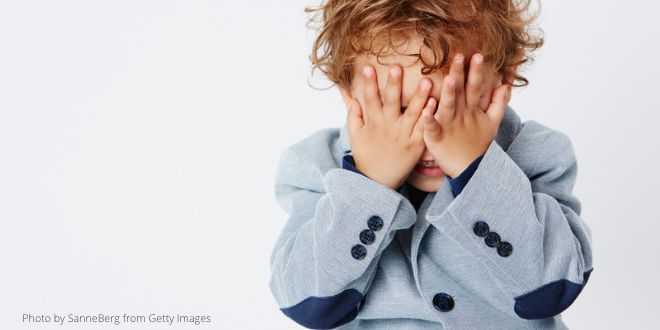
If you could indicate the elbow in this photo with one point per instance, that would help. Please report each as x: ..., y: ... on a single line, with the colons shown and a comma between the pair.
x: 550, y: 299
x: 326, y: 312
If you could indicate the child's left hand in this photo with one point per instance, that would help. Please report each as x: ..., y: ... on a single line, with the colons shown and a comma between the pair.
x: 460, y: 131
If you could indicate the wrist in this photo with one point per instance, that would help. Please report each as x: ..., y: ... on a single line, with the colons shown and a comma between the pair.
x: 459, y: 166
x: 349, y: 163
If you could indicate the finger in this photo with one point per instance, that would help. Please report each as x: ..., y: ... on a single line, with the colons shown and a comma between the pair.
x: 487, y: 96
x: 447, y: 107
x: 392, y: 95
x: 432, y: 129
x: 475, y: 82
x: 456, y: 70
x: 430, y: 106
x: 416, y: 104
x: 496, y: 108
x: 354, y: 117
x: 372, y: 103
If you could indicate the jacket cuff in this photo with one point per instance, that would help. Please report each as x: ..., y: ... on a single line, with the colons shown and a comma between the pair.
x: 498, y: 195
x: 375, y: 213
x: 458, y: 183
x: 499, y: 219
x: 352, y: 224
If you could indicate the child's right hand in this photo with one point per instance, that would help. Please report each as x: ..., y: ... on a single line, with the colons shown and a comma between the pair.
x: 386, y: 143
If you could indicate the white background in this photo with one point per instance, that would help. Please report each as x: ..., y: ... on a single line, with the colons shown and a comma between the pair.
x: 138, y: 143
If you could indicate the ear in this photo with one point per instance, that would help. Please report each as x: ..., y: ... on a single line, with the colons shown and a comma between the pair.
x: 346, y: 95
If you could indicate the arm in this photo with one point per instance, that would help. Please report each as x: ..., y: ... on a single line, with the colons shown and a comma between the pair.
x: 338, y: 226
x: 526, y: 229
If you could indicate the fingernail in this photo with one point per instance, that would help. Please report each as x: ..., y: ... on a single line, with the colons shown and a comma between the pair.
x: 459, y: 58
x: 425, y: 84
x: 367, y: 71
x: 478, y: 59
x: 394, y: 71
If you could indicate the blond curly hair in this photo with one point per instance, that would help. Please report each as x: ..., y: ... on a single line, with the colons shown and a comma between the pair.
x: 498, y: 29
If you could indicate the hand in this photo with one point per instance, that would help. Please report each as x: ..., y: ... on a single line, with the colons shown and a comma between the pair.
x: 460, y: 131
x: 385, y: 142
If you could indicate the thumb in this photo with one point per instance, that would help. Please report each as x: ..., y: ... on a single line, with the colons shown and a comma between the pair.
x: 432, y: 128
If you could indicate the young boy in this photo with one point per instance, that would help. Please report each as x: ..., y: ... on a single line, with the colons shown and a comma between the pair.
x: 435, y: 206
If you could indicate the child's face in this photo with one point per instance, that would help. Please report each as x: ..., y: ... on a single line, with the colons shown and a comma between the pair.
x: 411, y: 78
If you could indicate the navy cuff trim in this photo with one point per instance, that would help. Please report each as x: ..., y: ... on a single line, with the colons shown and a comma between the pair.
x: 348, y: 163
x: 458, y: 183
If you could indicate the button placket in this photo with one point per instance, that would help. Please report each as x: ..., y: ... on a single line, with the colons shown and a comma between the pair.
x: 443, y: 302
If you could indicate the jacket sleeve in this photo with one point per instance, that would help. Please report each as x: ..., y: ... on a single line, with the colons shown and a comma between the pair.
x: 339, y: 223
x: 525, y: 227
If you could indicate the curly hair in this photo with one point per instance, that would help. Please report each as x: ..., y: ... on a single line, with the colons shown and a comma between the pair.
x: 498, y: 29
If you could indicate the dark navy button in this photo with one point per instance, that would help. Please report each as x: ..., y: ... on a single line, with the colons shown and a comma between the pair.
x: 358, y: 251
x: 367, y: 236
x: 443, y: 302
x: 492, y: 239
x: 375, y: 223
x: 480, y: 228
x: 504, y: 249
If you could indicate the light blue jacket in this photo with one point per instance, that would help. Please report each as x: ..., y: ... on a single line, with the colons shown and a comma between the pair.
x: 509, y: 252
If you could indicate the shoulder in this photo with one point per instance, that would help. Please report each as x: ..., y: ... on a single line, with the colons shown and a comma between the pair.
x: 537, y: 147
x: 305, y: 161
x: 319, y: 146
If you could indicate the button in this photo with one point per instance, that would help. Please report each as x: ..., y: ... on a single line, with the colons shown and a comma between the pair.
x: 367, y: 236
x: 375, y: 223
x: 504, y: 249
x: 480, y: 228
x: 492, y: 239
x: 358, y: 251
x: 443, y: 302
